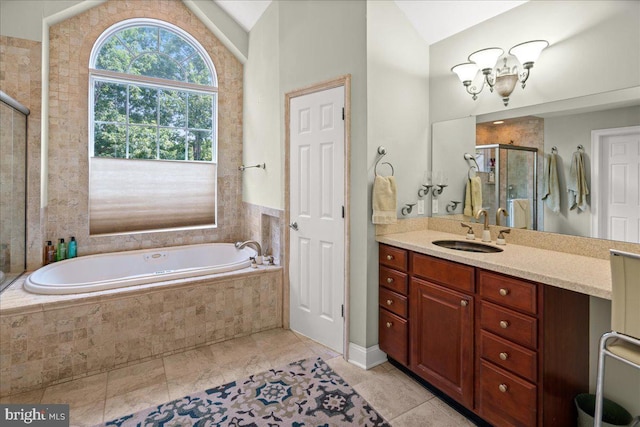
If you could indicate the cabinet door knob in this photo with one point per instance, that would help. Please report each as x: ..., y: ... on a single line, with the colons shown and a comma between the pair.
x: 389, y: 301
x: 464, y: 303
x: 503, y: 388
x: 504, y: 324
x: 504, y: 356
x: 389, y: 257
x: 504, y: 292
x: 389, y: 279
x: 389, y: 324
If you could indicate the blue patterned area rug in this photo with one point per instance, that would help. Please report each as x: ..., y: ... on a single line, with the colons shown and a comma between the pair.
x: 304, y: 393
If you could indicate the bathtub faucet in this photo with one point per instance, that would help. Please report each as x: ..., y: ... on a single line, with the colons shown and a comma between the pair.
x: 256, y: 245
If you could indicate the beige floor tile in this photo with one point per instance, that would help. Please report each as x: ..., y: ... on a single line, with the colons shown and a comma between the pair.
x: 193, y: 382
x: 353, y: 374
x: 86, y: 415
x: 136, y: 400
x: 189, y: 361
x: 392, y: 393
x: 276, y: 338
x: 34, y: 396
x: 77, y: 393
x: 134, y: 377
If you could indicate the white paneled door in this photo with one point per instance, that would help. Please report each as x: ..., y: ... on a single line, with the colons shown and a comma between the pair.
x: 619, y: 206
x: 317, y: 236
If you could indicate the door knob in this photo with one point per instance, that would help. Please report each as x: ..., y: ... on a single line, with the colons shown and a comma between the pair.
x: 294, y: 226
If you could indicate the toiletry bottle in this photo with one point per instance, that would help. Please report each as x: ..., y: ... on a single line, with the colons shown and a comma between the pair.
x: 72, y: 249
x: 62, y: 250
x: 49, y: 253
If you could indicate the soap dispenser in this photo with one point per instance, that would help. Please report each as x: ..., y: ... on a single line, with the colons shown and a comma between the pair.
x: 62, y: 251
x: 501, y: 240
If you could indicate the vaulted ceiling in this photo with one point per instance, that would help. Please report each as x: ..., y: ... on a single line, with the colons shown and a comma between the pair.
x: 433, y: 19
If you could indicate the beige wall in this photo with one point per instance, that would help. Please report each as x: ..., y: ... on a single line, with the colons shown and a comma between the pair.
x: 71, y: 42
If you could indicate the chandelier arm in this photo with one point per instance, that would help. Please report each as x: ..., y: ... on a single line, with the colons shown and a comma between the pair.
x: 471, y: 90
x: 526, y: 74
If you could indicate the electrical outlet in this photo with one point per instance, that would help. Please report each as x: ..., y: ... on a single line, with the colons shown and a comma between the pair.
x: 434, y: 206
x: 420, y: 207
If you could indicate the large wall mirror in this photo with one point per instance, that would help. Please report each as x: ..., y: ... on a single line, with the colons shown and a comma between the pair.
x: 511, y: 150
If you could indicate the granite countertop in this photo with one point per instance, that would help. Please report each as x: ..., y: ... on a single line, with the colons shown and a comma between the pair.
x: 591, y: 276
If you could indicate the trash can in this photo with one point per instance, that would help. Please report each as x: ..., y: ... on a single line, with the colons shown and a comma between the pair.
x: 612, y: 413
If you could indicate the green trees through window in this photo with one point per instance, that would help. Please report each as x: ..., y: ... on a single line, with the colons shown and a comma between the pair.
x: 154, y: 96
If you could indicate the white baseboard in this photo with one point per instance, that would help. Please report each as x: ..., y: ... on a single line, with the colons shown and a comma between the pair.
x: 366, y: 358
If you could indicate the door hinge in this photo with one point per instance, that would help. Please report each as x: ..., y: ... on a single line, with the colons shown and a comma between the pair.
x: 342, y: 310
x: 342, y: 113
x: 343, y: 212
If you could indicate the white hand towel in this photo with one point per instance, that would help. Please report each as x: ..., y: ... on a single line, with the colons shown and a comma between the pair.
x: 550, y: 185
x: 384, y: 200
x: 577, y: 183
x: 473, y: 196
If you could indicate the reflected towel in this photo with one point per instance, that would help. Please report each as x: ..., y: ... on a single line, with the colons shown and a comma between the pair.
x: 577, y: 183
x: 550, y: 185
x: 520, y: 213
x: 384, y: 200
x: 473, y: 196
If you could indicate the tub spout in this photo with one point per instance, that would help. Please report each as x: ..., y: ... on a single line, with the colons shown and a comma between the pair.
x: 256, y: 245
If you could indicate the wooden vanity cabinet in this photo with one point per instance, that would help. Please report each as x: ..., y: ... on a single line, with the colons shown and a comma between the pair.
x: 441, y: 316
x: 513, y: 351
x: 393, y: 326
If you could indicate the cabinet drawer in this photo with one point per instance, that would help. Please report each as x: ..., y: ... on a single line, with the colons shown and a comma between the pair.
x: 394, y: 280
x: 508, y: 291
x: 448, y: 273
x: 393, y: 302
x: 509, y: 324
x: 393, y: 336
x: 393, y: 257
x: 504, y: 399
x: 509, y: 356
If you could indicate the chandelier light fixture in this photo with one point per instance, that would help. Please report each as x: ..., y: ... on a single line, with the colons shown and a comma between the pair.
x: 501, y: 78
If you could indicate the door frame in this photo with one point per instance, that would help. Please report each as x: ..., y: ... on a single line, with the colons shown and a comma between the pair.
x: 599, y: 177
x: 345, y: 81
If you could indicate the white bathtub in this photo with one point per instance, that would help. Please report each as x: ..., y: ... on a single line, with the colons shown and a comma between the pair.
x: 120, y: 269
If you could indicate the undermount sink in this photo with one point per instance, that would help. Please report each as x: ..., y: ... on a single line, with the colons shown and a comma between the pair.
x: 462, y: 245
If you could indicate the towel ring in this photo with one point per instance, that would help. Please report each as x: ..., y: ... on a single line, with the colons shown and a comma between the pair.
x: 472, y: 169
x: 384, y: 163
x: 580, y: 147
x: 382, y: 152
x: 554, y: 149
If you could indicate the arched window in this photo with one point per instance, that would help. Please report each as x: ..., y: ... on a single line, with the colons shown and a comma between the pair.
x: 153, y: 99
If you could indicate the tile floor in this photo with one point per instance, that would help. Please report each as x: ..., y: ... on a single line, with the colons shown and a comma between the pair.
x: 398, y: 398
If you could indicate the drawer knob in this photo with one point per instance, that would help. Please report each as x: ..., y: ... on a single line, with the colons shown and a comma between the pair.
x: 464, y: 303
x: 389, y: 324
x: 504, y: 292
x: 389, y: 279
x: 389, y: 257
x: 504, y: 356
x: 503, y: 388
x: 389, y: 301
x: 504, y: 324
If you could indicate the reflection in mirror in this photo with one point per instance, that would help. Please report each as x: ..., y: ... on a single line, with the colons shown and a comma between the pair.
x: 543, y: 130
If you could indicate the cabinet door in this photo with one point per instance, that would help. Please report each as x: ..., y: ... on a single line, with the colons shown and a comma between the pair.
x: 442, y: 338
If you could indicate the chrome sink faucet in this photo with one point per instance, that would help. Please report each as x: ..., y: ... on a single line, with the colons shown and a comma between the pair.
x: 504, y: 211
x: 486, y: 235
x: 256, y: 245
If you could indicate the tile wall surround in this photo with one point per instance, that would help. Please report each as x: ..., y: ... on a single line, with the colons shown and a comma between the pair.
x: 49, y: 339
x: 21, y: 78
x: 266, y: 225
x: 585, y: 246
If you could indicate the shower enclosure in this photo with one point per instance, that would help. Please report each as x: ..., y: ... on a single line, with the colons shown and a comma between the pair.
x: 13, y: 189
x: 509, y: 175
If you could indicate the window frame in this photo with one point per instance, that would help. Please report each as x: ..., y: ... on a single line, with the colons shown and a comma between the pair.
x: 152, y: 82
